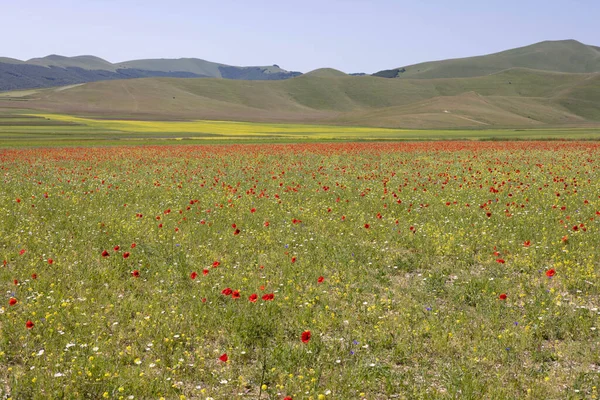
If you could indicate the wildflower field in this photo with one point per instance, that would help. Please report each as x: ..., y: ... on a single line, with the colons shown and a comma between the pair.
x: 432, y: 270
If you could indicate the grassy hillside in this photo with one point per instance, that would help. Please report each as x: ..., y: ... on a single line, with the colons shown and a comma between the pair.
x: 559, y: 56
x: 515, y: 97
x: 83, y: 62
x: 55, y: 70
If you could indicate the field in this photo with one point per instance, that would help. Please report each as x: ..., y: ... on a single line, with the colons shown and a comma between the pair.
x: 431, y: 270
x: 27, y: 128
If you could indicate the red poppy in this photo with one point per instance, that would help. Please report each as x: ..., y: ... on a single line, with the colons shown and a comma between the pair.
x: 135, y: 273
x: 116, y: 248
x: 216, y: 264
x: 16, y: 282
x: 253, y: 297
x: 236, y: 232
x: 262, y: 287
x: 34, y: 276
x: 194, y: 275
x: 293, y: 260
x: 29, y: 324
x: 253, y: 210
x: 235, y: 294
x: 105, y: 253
x: 489, y: 214
x: 288, y: 398
x: 12, y: 301
x: 22, y: 252
x: 133, y: 245
x: 204, y: 272
x: 527, y: 243
x: 227, y: 291
x: 50, y: 261
x: 367, y: 226
x: 550, y: 273
x: 224, y: 357
x: 500, y: 261
x: 204, y: 299
x: 565, y: 239
x: 320, y: 279
x: 266, y: 223
x: 268, y: 296
x: 126, y: 254
x: 160, y: 225
x: 502, y: 296
x: 305, y: 337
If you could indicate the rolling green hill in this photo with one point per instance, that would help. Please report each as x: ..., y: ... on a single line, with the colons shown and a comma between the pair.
x: 559, y: 56
x: 516, y: 97
x: 55, y: 70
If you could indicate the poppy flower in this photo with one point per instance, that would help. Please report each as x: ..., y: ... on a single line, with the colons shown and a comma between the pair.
x: 502, y: 296
x: 12, y: 301
x: 16, y: 282
x: 293, y: 260
x: 253, y: 210
x: 160, y: 225
x: 320, y: 279
x: 268, y: 296
x: 267, y: 223
x: 216, y: 264
x: 22, y: 252
x: 34, y: 276
x: 253, y: 297
x: 235, y: 294
x: 526, y: 243
x: 205, y: 272
x: 550, y: 273
x: 126, y: 254
x: 288, y: 398
x: 117, y: 248
x: 226, y: 291
x: 105, y: 253
x: 133, y: 245
x: 193, y: 275
x: 367, y: 226
x: 224, y: 357
x: 50, y: 261
x: 305, y: 337
x: 29, y: 324
x: 236, y: 232
x: 565, y: 239
x: 489, y: 214
x: 500, y: 261
x: 135, y: 273
x: 204, y: 299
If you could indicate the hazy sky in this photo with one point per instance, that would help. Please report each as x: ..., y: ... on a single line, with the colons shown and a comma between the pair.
x: 300, y: 35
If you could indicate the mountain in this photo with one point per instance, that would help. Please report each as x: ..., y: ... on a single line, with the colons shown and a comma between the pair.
x: 558, y: 56
x: 55, y: 70
x: 517, y: 97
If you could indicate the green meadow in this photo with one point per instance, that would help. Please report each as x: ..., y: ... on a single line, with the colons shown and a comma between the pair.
x: 36, y: 129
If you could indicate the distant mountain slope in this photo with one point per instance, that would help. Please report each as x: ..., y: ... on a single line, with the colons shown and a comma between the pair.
x: 55, y: 70
x: 512, y: 98
x: 559, y: 56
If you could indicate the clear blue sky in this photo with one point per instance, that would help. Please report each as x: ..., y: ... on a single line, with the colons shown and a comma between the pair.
x: 301, y: 35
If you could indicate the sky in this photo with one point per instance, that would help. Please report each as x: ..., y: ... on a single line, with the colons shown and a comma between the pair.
x: 301, y: 35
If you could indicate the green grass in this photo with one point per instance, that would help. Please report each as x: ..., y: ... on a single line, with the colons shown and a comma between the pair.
x: 408, y: 307
x: 26, y: 129
x: 517, y: 98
